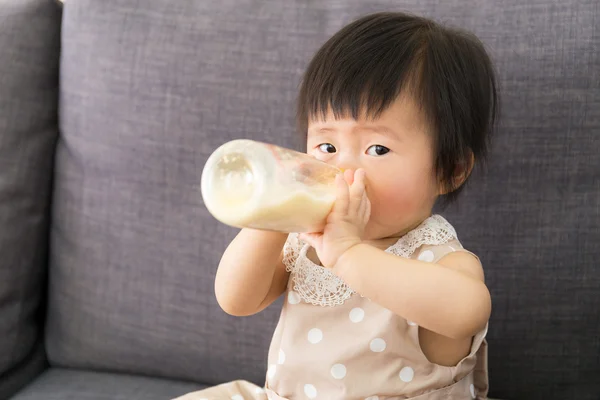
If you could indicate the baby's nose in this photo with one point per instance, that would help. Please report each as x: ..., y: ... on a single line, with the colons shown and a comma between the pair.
x: 344, y: 165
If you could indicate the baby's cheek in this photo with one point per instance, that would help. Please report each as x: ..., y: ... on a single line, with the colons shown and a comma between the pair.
x: 399, y: 197
x: 389, y: 198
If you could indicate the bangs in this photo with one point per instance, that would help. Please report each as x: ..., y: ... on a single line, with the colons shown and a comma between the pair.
x: 363, y: 79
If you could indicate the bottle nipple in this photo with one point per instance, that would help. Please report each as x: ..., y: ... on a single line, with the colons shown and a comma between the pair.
x: 233, y: 180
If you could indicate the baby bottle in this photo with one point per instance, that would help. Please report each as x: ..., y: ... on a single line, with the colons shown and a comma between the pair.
x: 249, y: 184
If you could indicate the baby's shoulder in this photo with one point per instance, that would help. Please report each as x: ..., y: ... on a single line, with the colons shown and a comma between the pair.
x: 453, y: 255
x: 435, y: 252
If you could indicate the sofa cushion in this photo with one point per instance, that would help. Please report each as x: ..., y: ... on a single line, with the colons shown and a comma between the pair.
x: 150, y: 88
x: 64, y: 384
x: 29, y: 53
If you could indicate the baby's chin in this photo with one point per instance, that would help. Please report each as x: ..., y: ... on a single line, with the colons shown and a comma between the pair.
x: 378, y: 232
x: 374, y: 232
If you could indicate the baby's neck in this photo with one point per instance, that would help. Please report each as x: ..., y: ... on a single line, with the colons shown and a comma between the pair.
x: 384, y: 243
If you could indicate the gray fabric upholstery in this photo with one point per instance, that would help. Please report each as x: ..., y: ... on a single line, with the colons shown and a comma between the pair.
x: 29, y: 53
x: 150, y: 88
x: 64, y: 384
x: 23, y: 373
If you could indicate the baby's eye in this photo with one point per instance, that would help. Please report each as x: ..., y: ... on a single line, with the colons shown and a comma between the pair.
x: 377, y: 150
x: 327, y: 148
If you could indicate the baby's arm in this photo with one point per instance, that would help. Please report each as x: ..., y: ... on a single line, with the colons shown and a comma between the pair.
x: 449, y: 298
x: 251, y: 274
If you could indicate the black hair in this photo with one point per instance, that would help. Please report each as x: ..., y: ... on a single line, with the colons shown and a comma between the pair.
x: 365, y: 66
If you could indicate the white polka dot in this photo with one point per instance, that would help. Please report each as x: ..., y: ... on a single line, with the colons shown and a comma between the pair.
x: 338, y: 371
x: 259, y: 390
x: 378, y: 345
x: 271, y: 371
x: 293, y: 297
x: 411, y: 323
x: 372, y: 398
x: 315, y: 335
x: 427, y: 256
x: 310, y: 391
x: 281, y: 359
x: 357, y: 314
x: 407, y: 374
x: 472, y: 389
x: 237, y: 397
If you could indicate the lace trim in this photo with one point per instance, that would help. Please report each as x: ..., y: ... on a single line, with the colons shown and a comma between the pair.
x: 434, y: 231
x: 319, y: 286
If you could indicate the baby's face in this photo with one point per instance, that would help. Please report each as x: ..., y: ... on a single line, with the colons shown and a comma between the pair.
x: 396, y: 152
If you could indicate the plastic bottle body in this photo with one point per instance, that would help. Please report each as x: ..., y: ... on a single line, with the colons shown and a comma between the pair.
x: 249, y: 184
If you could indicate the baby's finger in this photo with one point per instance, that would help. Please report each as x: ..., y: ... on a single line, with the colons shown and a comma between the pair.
x: 363, y: 209
x: 311, y: 238
x: 363, y: 204
x: 359, y: 177
x: 357, y: 189
x: 357, y: 200
x: 366, y: 215
x: 349, y: 176
x: 342, y: 196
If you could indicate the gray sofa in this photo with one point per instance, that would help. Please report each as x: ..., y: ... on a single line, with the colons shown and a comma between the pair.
x: 108, y: 111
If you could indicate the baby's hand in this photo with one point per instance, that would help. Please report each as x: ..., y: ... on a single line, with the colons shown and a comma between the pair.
x: 346, y: 221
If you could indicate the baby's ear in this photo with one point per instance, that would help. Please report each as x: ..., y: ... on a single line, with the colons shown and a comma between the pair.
x: 462, y: 171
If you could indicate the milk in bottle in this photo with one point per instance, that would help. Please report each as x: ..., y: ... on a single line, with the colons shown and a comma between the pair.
x: 250, y: 184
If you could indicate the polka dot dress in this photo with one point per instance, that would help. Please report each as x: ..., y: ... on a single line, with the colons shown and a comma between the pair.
x: 356, y: 351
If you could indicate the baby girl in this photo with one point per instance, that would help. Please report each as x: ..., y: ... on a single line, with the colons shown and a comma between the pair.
x: 384, y: 303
